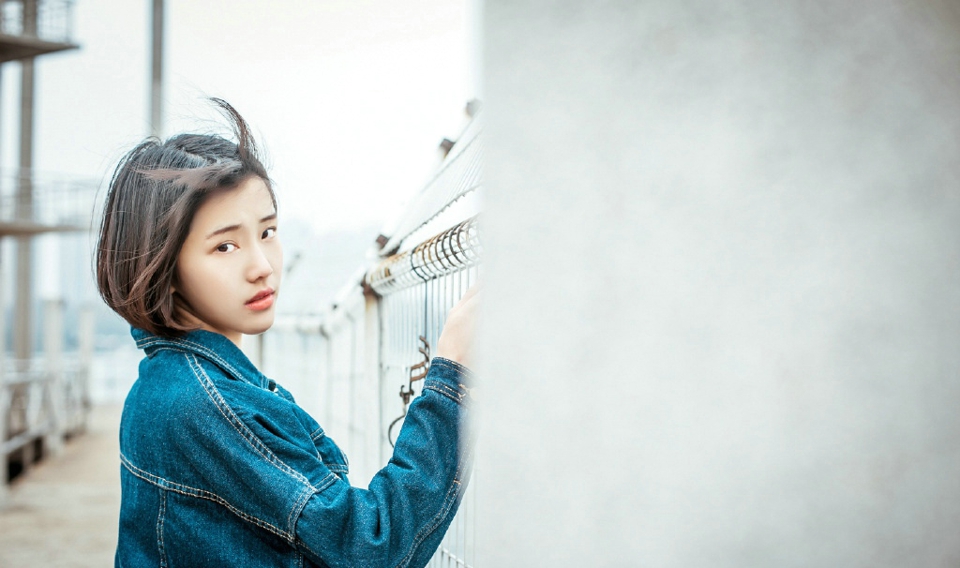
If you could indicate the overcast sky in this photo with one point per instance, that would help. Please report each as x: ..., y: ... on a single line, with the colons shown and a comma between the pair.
x: 350, y: 98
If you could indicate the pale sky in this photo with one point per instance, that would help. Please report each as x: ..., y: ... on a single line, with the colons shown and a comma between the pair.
x: 350, y: 98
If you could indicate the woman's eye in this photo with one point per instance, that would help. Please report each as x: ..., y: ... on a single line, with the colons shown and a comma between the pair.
x: 269, y: 233
x: 227, y: 247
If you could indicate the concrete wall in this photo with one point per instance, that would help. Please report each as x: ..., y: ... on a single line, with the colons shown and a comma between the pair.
x: 722, y: 275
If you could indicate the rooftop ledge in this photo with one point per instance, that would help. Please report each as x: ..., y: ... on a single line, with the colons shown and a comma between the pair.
x: 14, y: 47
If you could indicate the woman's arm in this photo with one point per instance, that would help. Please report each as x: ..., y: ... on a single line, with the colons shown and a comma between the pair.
x: 401, y: 518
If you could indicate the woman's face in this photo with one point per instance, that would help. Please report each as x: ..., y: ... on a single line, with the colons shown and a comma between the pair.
x: 229, y: 268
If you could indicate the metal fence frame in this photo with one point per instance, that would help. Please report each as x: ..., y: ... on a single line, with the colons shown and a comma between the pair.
x: 44, y: 400
x: 381, y: 329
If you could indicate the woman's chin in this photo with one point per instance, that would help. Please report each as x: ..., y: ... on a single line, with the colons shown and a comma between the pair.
x: 261, y: 327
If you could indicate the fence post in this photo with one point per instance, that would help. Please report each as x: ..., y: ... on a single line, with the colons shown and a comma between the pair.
x: 4, y: 406
x: 373, y: 369
x: 53, y: 351
x: 3, y: 387
x: 372, y: 376
x: 86, y: 336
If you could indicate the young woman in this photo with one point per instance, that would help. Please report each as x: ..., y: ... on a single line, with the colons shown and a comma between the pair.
x: 220, y: 467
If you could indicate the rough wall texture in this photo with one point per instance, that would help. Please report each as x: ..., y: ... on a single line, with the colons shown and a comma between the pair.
x: 723, y: 284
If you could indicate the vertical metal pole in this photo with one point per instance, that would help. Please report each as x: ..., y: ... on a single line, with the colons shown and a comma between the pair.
x: 3, y: 388
x: 4, y: 463
x: 371, y: 376
x: 87, y: 329
x: 53, y: 354
x: 156, y: 87
x: 23, y: 348
x: 4, y: 406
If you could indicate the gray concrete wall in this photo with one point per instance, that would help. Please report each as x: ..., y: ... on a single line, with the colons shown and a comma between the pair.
x: 722, y: 317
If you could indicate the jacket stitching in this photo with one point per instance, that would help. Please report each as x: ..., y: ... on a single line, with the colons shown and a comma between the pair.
x: 445, y: 390
x: 160, y: 516
x: 456, y: 488
x: 168, y: 485
x: 463, y: 369
x: 238, y: 424
x: 177, y: 345
x: 258, y: 446
x: 205, y: 351
x: 450, y: 498
x: 448, y: 501
x: 335, y: 467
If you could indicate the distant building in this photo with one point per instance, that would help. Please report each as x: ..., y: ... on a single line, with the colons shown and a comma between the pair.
x: 41, y: 400
x: 29, y: 29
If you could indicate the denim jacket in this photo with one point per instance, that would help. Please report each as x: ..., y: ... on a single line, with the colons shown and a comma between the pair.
x: 220, y: 467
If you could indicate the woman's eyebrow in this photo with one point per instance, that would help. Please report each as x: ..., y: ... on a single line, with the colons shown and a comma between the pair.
x: 223, y: 230
x: 236, y: 226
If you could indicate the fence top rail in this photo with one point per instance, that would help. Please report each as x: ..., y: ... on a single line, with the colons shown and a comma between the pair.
x: 452, y: 250
x: 458, y: 175
x: 46, y: 198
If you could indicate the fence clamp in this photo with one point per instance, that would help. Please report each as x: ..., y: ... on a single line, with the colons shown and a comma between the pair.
x: 417, y: 372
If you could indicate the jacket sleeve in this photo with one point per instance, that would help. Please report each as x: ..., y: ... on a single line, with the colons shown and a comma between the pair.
x: 401, y: 518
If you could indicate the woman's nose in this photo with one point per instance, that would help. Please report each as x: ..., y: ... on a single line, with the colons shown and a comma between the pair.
x: 260, y: 265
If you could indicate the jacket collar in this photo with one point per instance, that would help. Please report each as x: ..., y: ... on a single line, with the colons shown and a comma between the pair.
x: 211, y: 346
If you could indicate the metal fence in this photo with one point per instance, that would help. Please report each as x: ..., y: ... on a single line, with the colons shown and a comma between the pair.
x: 357, y: 366
x: 411, y: 320
x: 46, y: 399
x: 56, y: 200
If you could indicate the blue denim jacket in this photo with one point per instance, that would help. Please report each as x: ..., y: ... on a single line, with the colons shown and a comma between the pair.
x: 220, y: 467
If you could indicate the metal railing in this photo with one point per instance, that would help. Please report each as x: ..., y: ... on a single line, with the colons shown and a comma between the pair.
x: 54, y: 19
x: 411, y: 319
x: 39, y: 402
x: 44, y: 400
x: 363, y: 358
x: 55, y: 200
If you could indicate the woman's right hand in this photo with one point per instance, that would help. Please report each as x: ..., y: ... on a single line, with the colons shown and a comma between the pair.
x: 456, y: 339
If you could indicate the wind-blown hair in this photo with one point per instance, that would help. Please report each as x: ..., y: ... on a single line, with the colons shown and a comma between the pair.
x: 150, y: 204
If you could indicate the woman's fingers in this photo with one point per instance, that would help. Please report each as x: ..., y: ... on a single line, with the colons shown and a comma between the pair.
x: 456, y: 339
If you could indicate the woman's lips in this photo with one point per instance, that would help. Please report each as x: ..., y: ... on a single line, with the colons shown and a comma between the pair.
x: 261, y: 301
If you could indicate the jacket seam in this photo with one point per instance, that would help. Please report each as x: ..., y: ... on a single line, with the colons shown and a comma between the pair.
x: 161, y: 514
x: 255, y: 443
x: 455, y: 489
x: 450, y: 498
x: 194, y: 349
x: 188, y: 491
x: 446, y: 391
x: 237, y: 424
x: 463, y: 369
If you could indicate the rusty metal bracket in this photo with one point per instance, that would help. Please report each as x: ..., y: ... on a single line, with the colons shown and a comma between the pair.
x: 418, y: 372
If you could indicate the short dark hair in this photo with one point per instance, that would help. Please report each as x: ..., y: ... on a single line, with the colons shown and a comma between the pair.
x: 153, y: 196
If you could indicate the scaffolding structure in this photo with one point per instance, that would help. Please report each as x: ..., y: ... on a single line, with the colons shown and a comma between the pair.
x: 41, y: 400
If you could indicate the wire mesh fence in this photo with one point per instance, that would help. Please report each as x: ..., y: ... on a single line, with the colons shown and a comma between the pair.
x: 412, y: 318
x: 357, y: 366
